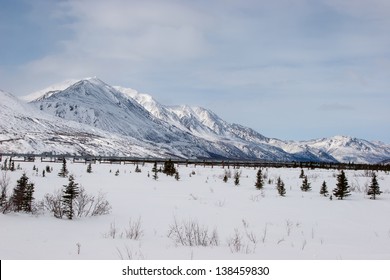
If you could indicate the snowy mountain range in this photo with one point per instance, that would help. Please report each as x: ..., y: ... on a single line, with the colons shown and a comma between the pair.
x: 89, y: 116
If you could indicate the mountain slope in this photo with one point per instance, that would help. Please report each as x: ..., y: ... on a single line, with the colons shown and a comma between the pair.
x: 349, y: 149
x: 23, y: 129
x: 91, y: 117
x: 92, y: 102
x: 207, y: 125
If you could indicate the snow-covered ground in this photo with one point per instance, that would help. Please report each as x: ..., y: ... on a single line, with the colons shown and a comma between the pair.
x: 250, y: 224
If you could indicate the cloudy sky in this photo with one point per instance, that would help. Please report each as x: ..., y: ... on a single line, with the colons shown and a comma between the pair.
x: 290, y: 69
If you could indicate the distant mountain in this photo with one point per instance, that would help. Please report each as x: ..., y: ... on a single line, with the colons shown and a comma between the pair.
x: 206, y: 124
x: 349, y: 149
x: 89, y: 116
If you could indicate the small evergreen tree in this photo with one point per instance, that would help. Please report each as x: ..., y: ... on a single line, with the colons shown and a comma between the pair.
x: 117, y: 172
x: 373, y: 189
x: 154, y: 169
x: 12, y: 166
x: 137, y: 169
x: 23, y: 195
x: 342, y: 188
x: 48, y: 170
x: 177, y: 176
x: 305, y: 184
x: 70, y: 193
x: 29, y: 197
x: 169, y: 168
x: 225, y: 177
x: 324, y: 189
x: 237, y: 176
x: 302, y: 175
x: 259, y: 180
x: 43, y: 173
x: 19, y: 193
x: 280, y: 187
x: 3, y: 197
x: 64, y: 170
x: 89, y: 168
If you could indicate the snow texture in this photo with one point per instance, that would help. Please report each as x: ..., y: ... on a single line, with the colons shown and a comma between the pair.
x: 250, y: 223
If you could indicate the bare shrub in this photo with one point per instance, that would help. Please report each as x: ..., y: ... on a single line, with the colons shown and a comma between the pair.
x: 84, y: 204
x: 5, y: 204
x: 264, y: 233
x: 134, y: 230
x: 53, y: 203
x: 243, y: 243
x: 289, y: 225
x: 88, y: 205
x: 235, y: 242
x: 355, y: 187
x: 113, y: 232
x: 303, y: 244
x: 190, y: 233
x: 128, y: 254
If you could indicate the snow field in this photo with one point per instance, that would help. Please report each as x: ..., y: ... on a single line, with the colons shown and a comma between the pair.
x: 251, y: 224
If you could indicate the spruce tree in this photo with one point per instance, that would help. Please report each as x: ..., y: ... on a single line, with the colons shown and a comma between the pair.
x: 305, y: 184
x: 89, y: 168
x: 64, y: 170
x: 225, y: 177
x: 280, y: 187
x: 169, y: 168
x: 12, y: 166
x: 302, y: 175
x: 324, y: 189
x: 155, y: 171
x: 19, y: 193
x: 373, y: 189
x: 177, y: 176
x: 3, y: 196
x: 342, y: 188
x: 259, y: 180
x: 237, y: 178
x: 70, y: 193
x: 29, y: 197
x: 23, y: 195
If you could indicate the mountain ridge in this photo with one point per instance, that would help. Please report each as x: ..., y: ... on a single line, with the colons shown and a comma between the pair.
x: 181, y: 131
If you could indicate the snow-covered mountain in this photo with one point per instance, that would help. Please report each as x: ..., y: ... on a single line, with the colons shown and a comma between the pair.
x: 24, y: 129
x: 207, y: 125
x: 349, y: 149
x: 89, y: 116
x: 196, y: 120
x: 204, y: 123
x: 94, y: 103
